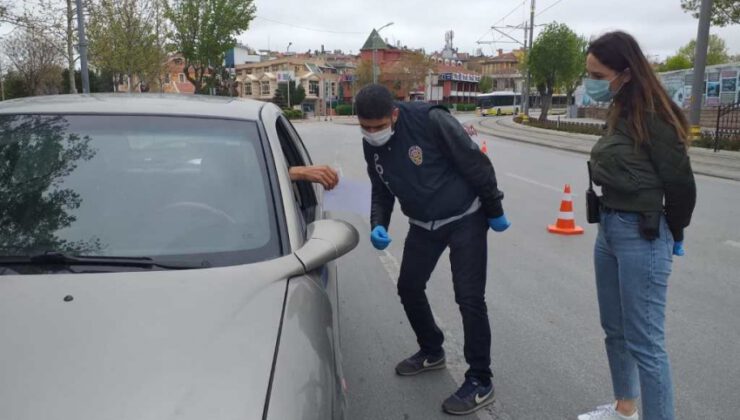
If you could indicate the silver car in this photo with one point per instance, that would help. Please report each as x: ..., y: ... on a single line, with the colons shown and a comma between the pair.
x: 156, y: 262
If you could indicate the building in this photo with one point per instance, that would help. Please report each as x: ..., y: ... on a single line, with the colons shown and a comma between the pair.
x: 174, y: 77
x: 399, y: 68
x: 241, y: 54
x: 451, y: 83
x: 320, y: 80
x: 503, y: 69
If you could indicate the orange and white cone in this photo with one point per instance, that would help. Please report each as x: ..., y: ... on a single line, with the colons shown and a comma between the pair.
x: 566, y: 224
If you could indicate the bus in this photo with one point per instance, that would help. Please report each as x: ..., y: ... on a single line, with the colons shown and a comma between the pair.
x: 499, y: 103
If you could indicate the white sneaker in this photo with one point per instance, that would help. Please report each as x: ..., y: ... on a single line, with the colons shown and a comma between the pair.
x: 607, y: 412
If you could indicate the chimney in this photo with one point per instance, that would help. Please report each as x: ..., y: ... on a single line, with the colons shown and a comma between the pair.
x: 500, y: 52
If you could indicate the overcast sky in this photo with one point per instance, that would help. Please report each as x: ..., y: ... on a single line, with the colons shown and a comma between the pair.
x: 660, y: 26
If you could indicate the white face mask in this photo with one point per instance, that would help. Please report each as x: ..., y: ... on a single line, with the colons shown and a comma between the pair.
x: 378, y: 138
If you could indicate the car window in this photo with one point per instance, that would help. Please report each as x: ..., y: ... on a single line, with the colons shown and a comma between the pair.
x: 189, y: 189
x: 296, y: 155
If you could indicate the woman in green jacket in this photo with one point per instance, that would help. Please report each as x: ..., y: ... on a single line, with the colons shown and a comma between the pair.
x: 649, y: 195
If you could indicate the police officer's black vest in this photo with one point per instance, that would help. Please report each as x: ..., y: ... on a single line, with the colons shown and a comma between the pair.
x: 416, y: 170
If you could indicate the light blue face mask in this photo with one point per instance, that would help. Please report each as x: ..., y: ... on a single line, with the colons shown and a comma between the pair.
x: 599, y: 90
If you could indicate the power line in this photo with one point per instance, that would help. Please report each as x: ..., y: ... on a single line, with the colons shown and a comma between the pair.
x: 549, y: 7
x: 503, y: 18
x: 307, y: 28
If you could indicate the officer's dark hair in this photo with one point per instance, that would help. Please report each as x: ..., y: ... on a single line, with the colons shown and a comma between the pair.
x: 374, y: 102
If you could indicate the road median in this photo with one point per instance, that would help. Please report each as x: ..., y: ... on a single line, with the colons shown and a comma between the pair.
x: 723, y: 164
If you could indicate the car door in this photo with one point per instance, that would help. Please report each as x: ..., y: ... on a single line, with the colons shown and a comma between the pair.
x: 308, y: 381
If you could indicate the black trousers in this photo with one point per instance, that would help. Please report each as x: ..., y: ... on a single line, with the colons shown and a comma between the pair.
x: 468, y: 254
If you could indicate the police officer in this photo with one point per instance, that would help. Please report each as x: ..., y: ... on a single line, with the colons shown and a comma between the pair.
x: 421, y: 155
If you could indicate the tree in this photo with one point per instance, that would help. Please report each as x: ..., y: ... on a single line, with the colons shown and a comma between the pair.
x: 486, y: 84
x: 575, y: 74
x: 36, y: 57
x: 364, y: 73
x: 204, y: 30
x: 123, y: 39
x: 553, y: 60
x: 297, y: 95
x: 724, y: 12
x: 717, y: 53
x: 406, y: 74
x: 676, y: 62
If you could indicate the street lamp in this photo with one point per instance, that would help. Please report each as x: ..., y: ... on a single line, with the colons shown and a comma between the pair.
x: 287, y: 50
x: 375, y: 50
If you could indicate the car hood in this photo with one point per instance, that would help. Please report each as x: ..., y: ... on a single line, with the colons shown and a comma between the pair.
x: 191, y: 344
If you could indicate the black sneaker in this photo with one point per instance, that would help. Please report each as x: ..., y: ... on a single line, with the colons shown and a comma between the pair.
x: 471, y: 396
x: 420, y: 362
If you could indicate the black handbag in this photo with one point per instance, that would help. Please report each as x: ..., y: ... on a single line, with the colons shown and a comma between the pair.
x: 593, y: 202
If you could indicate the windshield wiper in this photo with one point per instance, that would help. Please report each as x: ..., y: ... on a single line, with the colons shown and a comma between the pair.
x: 59, y: 258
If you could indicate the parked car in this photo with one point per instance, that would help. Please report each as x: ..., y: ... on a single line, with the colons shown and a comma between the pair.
x: 156, y: 262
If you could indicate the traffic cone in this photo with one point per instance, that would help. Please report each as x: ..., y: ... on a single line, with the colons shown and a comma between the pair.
x: 566, y: 224
x: 484, y: 147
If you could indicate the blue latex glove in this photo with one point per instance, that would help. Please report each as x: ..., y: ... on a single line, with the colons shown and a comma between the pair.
x: 678, y: 249
x: 499, y: 224
x: 379, y: 237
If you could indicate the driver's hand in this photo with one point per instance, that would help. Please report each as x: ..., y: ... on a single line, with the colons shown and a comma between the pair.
x: 322, y: 174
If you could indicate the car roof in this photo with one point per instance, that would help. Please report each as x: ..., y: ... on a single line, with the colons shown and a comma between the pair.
x: 137, y: 104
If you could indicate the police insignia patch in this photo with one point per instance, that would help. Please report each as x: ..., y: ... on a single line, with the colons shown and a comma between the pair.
x: 416, y: 155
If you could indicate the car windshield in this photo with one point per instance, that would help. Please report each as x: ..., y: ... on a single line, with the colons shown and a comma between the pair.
x: 176, y: 189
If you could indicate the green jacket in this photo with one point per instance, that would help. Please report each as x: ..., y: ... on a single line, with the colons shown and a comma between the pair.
x: 654, y: 177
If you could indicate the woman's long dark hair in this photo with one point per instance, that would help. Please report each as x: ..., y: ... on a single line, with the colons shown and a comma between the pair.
x: 643, y: 94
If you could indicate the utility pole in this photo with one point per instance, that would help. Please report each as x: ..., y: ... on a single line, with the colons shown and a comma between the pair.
x: 702, y: 44
x: 83, y: 48
x: 528, y: 49
x: 375, y: 51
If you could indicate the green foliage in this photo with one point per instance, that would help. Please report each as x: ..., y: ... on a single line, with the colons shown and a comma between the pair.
x: 123, y: 39
x: 15, y: 86
x: 724, y: 12
x: 708, y: 140
x: 486, y: 84
x: 204, y: 30
x: 676, y: 62
x: 465, y: 107
x: 556, y: 61
x: 717, y: 53
x: 297, y: 95
x: 344, y: 109
x: 293, y: 114
x: 570, y: 127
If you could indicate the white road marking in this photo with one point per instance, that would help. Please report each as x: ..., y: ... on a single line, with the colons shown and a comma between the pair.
x: 391, y: 265
x: 456, y: 364
x: 537, y: 183
x: 733, y: 243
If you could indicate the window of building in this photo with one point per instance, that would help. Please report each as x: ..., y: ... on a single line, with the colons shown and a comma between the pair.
x: 167, y: 78
x: 247, y: 89
x: 313, y: 87
x: 181, y: 77
x: 265, y: 88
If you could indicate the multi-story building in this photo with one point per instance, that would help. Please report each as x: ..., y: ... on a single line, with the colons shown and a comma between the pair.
x: 503, y: 68
x: 450, y: 82
x: 320, y: 80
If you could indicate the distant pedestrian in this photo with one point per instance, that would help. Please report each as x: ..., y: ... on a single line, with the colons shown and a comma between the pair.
x: 648, y: 198
x: 423, y: 156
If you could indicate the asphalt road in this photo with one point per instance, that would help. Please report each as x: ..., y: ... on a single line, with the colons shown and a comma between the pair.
x: 548, y: 355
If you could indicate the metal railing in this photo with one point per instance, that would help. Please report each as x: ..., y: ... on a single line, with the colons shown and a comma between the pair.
x: 728, y: 125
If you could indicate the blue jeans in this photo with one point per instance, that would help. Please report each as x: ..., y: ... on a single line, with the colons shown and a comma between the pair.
x: 632, y: 281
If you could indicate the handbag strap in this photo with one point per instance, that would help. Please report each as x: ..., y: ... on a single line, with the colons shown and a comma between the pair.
x: 590, y: 177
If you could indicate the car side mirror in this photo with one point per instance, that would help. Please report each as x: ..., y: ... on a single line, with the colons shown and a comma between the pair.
x: 327, y: 241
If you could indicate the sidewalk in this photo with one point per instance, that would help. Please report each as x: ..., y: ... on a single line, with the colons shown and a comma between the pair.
x: 723, y: 164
